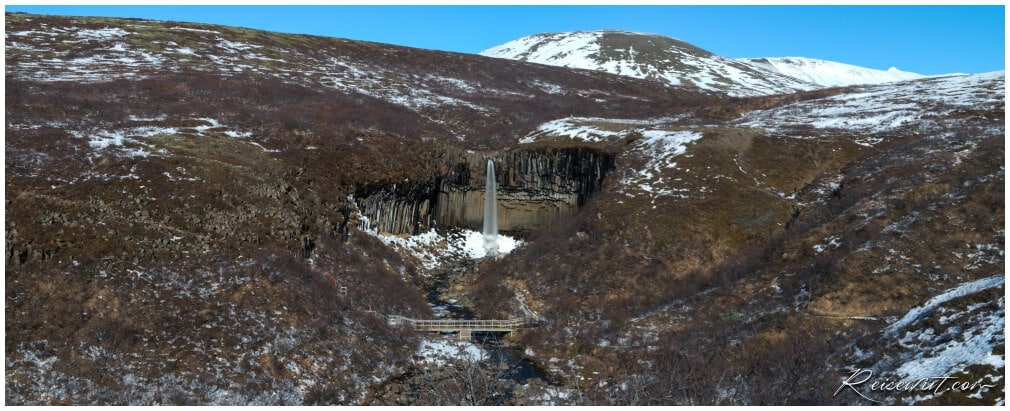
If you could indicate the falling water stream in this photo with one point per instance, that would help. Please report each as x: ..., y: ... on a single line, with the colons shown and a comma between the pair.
x: 490, y: 213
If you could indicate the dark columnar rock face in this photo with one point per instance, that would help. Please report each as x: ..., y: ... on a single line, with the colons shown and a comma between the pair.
x: 400, y: 208
x: 534, y: 188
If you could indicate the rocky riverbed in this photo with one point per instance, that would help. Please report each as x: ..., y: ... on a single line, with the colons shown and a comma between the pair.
x: 489, y: 370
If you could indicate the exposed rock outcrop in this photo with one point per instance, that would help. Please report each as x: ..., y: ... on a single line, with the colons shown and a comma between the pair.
x: 534, y: 188
x: 406, y: 207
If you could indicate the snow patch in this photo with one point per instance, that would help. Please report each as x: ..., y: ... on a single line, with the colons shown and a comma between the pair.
x: 441, y: 352
x: 589, y: 128
x: 570, y: 127
x: 433, y: 249
x: 235, y: 47
x: 883, y: 108
x: 960, y: 291
x: 101, y: 34
x: 829, y: 73
x: 973, y: 346
x: 661, y: 148
x: 943, y: 338
x: 549, y: 88
x: 832, y: 241
x: 657, y: 145
x: 194, y: 30
x: 125, y: 140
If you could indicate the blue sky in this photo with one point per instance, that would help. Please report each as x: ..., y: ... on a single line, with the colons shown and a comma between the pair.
x: 922, y: 39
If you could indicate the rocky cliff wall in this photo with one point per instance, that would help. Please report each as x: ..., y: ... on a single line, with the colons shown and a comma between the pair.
x: 534, y: 189
x: 401, y: 208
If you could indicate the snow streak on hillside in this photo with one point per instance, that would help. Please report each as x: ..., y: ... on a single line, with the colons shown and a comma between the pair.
x: 130, y: 141
x: 918, y: 313
x: 583, y: 128
x: 653, y: 141
x: 946, y: 335
x: 660, y: 147
x: 884, y: 108
x: 138, y: 52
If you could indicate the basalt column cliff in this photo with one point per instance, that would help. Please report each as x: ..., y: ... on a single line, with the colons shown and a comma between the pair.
x: 534, y: 188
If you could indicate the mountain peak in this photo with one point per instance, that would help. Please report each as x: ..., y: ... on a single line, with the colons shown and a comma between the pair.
x: 543, y: 46
x: 647, y: 56
x: 673, y: 61
x: 589, y: 47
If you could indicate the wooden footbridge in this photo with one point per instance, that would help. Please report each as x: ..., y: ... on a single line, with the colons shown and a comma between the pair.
x: 463, y: 327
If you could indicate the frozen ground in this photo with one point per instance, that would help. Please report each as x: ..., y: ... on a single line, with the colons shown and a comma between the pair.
x: 942, y: 339
x: 885, y: 108
x: 433, y: 249
x: 652, y: 140
x: 440, y: 351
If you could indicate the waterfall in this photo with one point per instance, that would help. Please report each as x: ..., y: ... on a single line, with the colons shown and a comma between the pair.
x: 490, y: 214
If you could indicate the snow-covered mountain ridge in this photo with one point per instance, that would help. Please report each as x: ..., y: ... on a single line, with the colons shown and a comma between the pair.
x: 673, y: 61
x: 830, y: 73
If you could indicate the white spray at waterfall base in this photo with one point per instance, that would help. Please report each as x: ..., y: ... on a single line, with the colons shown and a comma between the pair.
x: 433, y: 249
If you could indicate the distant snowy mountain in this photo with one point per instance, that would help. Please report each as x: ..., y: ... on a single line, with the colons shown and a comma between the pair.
x: 656, y: 57
x: 648, y: 56
x: 830, y: 73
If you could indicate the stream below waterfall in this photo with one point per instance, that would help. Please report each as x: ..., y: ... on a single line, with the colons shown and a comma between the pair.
x: 438, y: 293
x: 503, y: 372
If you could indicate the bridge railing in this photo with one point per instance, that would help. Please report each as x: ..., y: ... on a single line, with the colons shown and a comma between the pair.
x: 511, y: 323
